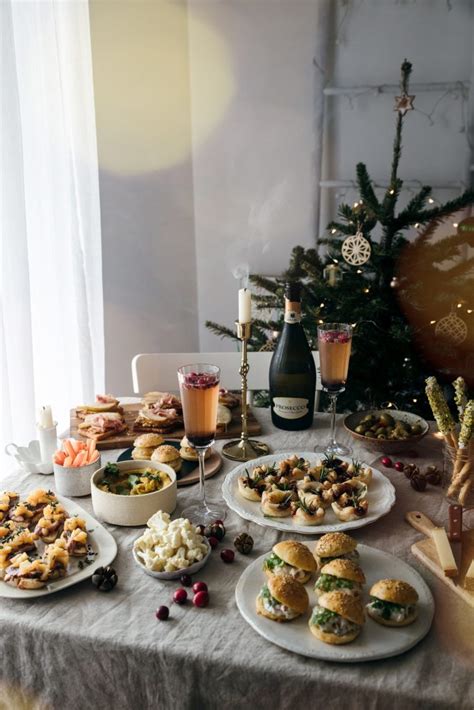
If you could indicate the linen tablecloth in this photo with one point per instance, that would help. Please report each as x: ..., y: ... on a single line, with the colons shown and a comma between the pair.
x: 82, y: 649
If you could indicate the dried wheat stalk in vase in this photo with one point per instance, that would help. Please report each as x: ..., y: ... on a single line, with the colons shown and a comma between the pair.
x: 460, y: 396
x: 441, y: 413
x: 463, y: 463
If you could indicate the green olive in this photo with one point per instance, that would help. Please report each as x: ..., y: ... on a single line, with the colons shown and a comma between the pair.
x: 380, y: 430
x: 381, y: 436
x: 360, y: 429
x: 368, y: 419
x: 369, y: 434
x: 416, y: 429
x: 387, y: 419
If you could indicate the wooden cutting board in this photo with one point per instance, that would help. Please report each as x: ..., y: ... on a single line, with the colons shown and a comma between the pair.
x: 425, y: 551
x: 126, y: 438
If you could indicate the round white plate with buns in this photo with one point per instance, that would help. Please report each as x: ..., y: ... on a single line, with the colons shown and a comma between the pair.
x: 375, y: 641
x: 380, y: 496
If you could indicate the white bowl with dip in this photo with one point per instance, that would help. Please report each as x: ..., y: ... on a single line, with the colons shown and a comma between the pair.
x: 137, y: 509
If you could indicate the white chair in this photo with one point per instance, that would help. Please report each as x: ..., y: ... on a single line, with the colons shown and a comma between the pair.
x: 157, y: 371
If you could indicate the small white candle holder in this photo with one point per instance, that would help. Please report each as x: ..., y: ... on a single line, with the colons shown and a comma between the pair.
x: 48, y: 442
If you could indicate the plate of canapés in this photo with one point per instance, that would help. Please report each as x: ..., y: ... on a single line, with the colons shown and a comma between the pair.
x: 47, y: 543
x: 306, y: 493
x: 386, y: 430
x: 335, y: 600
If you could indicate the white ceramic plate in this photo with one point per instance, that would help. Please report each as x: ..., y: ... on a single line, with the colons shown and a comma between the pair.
x: 177, y: 573
x: 375, y: 641
x: 101, y: 542
x: 381, y: 497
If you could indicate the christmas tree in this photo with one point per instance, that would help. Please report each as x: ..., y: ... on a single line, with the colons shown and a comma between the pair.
x: 354, y: 276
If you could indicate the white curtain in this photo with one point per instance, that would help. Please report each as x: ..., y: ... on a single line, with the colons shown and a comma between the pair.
x: 51, y: 303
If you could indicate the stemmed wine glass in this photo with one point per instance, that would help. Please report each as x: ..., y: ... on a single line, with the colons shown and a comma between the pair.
x: 199, y: 388
x: 334, y: 344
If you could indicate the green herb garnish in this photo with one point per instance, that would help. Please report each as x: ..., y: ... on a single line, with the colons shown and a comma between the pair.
x: 112, y: 469
x: 273, y: 561
x: 322, y: 616
x: 327, y: 582
x: 386, y: 608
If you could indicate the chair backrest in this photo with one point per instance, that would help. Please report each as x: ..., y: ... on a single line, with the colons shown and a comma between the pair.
x: 157, y: 371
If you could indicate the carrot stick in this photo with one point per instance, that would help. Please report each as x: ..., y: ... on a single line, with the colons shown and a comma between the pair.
x: 59, y: 457
x: 68, y: 461
x: 90, y: 448
x: 80, y: 459
x: 69, y: 449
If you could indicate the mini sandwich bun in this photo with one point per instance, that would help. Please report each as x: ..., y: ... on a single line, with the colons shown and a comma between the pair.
x: 333, y: 545
x: 396, y: 592
x: 141, y: 453
x: 147, y: 441
x: 344, y: 569
x: 188, y: 453
x: 295, y: 554
x: 288, y: 591
x: 347, y: 606
x: 169, y: 455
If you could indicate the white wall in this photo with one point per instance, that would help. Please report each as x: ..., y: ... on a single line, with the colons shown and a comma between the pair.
x: 141, y: 77
x: 207, y: 117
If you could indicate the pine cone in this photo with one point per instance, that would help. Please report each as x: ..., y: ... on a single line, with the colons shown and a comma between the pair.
x: 243, y: 543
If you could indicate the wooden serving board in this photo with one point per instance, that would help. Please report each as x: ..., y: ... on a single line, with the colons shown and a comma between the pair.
x: 425, y: 551
x: 126, y: 438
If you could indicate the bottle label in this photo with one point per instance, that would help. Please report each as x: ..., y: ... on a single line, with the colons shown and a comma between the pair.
x: 292, y: 311
x: 290, y: 407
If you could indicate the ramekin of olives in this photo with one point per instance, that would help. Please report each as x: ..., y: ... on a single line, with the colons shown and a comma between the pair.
x: 386, y: 430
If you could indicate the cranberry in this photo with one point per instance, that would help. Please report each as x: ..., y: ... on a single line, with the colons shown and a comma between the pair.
x: 199, y: 587
x: 213, y: 541
x: 387, y: 461
x: 162, y: 613
x: 186, y: 580
x: 399, y: 465
x: 201, y: 599
x: 227, y: 556
x: 180, y: 596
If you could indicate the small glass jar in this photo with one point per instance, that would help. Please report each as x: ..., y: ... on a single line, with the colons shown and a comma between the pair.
x: 458, y: 457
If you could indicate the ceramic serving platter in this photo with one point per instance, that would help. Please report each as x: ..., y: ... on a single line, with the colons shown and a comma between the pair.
x: 374, y: 642
x: 381, y: 497
x: 102, y: 551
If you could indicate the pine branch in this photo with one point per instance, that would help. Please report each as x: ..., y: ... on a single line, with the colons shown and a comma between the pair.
x: 409, y: 215
x: 436, y: 214
x: 221, y: 330
x: 366, y: 190
x: 265, y: 283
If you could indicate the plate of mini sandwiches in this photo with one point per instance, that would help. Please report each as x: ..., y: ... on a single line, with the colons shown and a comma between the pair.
x: 335, y: 600
x: 306, y: 493
x: 48, y: 543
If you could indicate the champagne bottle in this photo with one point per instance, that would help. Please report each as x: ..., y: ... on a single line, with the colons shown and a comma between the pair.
x: 292, y: 370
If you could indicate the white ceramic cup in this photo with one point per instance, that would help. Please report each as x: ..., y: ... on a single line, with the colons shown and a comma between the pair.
x: 75, y: 482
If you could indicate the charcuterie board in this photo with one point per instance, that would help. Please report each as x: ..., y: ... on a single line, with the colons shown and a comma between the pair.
x: 130, y: 411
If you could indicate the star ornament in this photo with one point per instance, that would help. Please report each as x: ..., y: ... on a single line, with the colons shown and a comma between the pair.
x: 404, y: 103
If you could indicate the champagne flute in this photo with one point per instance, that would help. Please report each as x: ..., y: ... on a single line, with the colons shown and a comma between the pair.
x: 334, y: 344
x: 199, y: 388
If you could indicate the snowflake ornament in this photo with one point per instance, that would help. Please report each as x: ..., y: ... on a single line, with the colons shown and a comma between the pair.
x: 356, y: 249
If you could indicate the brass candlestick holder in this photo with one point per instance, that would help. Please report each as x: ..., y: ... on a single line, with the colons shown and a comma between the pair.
x: 244, y: 449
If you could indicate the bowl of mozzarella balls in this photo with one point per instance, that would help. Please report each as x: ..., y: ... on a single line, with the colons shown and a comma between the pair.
x: 168, y: 547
